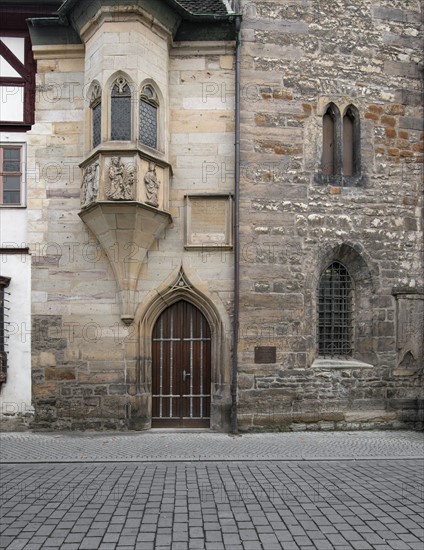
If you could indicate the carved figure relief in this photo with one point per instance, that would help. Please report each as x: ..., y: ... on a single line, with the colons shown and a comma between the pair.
x: 410, y: 329
x: 152, y: 185
x: 121, y: 180
x: 90, y: 184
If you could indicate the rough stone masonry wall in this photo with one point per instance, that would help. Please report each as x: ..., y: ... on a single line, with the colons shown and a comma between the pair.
x: 297, y: 56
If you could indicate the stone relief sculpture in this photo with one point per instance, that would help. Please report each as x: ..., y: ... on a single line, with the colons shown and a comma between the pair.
x: 152, y: 185
x: 90, y: 184
x: 121, y: 180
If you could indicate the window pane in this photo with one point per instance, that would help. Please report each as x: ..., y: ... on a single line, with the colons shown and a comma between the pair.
x: 97, y: 120
x: 11, y: 153
x: 11, y: 183
x: 121, y: 118
x: 148, y: 124
x: 11, y: 166
x: 11, y: 159
x: 121, y: 113
x: 11, y: 197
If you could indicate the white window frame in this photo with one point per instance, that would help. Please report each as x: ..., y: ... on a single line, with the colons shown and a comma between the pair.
x: 23, y: 197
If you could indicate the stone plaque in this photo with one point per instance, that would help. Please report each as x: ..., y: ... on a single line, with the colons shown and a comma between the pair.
x: 265, y: 354
x: 208, y: 221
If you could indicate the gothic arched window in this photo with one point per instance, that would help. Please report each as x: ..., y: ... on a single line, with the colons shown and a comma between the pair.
x: 330, y: 138
x: 351, y: 142
x: 148, y: 132
x: 96, y: 115
x: 120, y: 116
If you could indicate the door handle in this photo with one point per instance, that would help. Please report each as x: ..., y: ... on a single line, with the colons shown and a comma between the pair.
x: 185, y: 374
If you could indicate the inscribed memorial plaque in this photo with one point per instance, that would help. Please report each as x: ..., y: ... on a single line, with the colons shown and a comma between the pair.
x: 208, y: 221
x: 265, y: 354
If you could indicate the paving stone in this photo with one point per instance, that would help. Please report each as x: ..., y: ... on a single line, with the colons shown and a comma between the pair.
x: 264, y: 522
x: 91, y: 543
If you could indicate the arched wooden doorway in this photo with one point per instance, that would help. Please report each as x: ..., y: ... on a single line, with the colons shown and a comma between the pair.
x: 181, y: 368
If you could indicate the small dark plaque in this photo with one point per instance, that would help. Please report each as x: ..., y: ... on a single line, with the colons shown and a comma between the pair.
x: 265, y: 354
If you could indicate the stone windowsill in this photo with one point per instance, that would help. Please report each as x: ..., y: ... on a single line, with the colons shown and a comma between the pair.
x: 340, y: 364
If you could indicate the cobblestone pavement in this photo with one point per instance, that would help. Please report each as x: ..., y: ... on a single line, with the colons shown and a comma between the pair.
x: 303, y: 503
x: 174, y: 446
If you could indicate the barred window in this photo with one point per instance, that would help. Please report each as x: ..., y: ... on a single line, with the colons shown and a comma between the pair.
x: 4, y: 283
x: 121, y: 110
x: 335, y: 312
x: 148, y: 134
x: 11, y: 193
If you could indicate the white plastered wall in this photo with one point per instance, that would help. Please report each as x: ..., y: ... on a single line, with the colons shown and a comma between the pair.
x: 15, y: 394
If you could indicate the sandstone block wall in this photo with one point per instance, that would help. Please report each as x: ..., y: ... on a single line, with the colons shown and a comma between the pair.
x: 84, y: 358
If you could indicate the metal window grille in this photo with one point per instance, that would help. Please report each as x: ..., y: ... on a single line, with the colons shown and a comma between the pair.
x: 3, y: 334
x: 148, y: 124
x: 335, y: 312
x: 121, y: 113
x: 2, y: 360
x: 97, y: 121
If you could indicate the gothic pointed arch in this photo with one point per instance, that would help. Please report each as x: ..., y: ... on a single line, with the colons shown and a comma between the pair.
x: 94, y: 97
x: 363, y: 281
x: 120, y: 88
x: 181, y: 285
x: 330, y: 162
x: 351, y: 142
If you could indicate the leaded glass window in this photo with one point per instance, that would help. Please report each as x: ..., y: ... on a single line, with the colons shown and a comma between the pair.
x: 97, y: 122
x: 335, y: 312
x: 148, y: 134
x: 96, y: 115
x: 120, y: 110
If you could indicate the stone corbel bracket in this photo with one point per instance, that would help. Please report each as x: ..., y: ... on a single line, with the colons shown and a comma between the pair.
x: 126, y: 230
x: 124, y: 201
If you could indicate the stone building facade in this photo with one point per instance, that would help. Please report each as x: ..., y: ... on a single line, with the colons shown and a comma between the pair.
x: 225, y: 214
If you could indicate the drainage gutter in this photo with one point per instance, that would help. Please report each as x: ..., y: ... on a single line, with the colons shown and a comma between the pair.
x: 234, y: 366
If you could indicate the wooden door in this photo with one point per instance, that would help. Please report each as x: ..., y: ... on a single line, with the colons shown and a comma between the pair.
x: 181, y: 368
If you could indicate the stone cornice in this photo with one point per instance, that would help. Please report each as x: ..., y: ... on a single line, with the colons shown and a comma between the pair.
x: 64, y: 51
x: 124, y: 14
x: 203, y: 48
